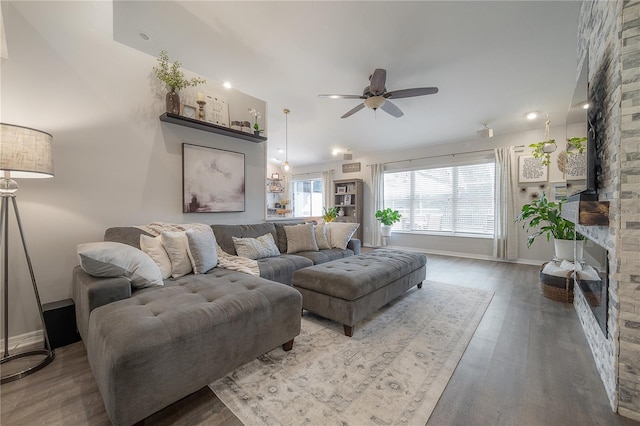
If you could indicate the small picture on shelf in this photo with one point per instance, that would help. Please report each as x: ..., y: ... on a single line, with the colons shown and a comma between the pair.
x: 188, y: 111
x: 347, y: 199
x: 341, y: 190
x: 275, y: 176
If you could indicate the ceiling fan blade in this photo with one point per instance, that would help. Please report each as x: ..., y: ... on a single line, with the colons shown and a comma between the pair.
x: 408, y: 93
x: 353, y: 111
x: 392, y: 109
x: 378, y: 79
x: 342, y: 96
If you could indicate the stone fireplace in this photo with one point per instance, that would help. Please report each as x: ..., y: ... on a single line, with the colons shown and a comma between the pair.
x: 610, y: 33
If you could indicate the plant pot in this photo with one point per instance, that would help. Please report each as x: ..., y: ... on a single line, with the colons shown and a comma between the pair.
x: 173, y: 102
x: 564, y: 249
x: 385, y: 230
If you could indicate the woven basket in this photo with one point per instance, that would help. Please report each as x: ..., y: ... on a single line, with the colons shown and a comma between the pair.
x: 557, y: 288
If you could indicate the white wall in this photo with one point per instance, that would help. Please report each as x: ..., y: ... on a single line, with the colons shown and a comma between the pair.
x: 115, y: 162
x: 482, y: 248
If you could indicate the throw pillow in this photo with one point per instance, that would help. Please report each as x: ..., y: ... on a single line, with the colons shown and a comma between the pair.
x: 340, y: 233
x: 202, y: 250
x: 175, y: 243
x: 321, y: 237
x: 111, y: 259
x: 300, y: 238
x: 153, y: 247
x: 256, y: 248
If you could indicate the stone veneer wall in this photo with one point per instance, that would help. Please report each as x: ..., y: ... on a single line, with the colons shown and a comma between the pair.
x: 611, y: 33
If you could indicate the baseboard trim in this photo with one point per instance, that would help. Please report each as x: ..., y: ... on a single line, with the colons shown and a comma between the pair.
x: 24, y: 340
x: 465, y: 255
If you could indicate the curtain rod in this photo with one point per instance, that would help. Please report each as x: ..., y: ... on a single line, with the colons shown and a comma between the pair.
x: 442, y: 155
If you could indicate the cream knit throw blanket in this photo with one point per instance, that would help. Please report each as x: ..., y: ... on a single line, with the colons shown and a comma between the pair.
x: 225, y: 260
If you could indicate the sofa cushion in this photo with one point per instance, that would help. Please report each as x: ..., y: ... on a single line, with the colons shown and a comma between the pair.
x: 281, y: 268
x: 321, y: 237
x: 256, y: 248
x: 323, y: 256
x: 111, y: 259
x: 224, y: 234
x: 339, y: 233
x: 300, y: 238
x: 129, y: 235
x: 202, y: 250
x: 175, y: 243
x: 154, y: 248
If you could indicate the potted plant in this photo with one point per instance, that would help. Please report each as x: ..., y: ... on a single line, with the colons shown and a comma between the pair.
x: 543, y: 216
x: 329, y: 214
x: 387, y: 218
x: 174, y: 79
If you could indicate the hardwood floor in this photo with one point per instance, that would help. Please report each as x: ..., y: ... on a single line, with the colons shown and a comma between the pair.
x: 527, y: 364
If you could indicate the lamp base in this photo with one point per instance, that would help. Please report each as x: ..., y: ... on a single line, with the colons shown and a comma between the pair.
x: 49, y: 356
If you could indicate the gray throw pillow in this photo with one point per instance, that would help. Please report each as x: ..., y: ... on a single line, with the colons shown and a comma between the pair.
x: 256, y: 248
x: 300, y: 238
x: 202, y: 250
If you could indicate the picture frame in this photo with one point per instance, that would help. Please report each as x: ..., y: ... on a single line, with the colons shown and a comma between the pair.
x: 216, y: 110
x: 347, y: 200
x: 531, y: 169
x: 213, y: 180
x: 188, y: 111
x: 557, y: 191
x: 341, y: 190
x: 275, y: 176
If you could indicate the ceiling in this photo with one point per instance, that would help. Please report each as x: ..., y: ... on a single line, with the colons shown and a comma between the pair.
x: 492, y: 61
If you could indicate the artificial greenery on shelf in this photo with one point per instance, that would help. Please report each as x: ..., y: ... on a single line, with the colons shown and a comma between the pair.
x: 171, y: 75
x: 388, y: 217
x: 330, y: 214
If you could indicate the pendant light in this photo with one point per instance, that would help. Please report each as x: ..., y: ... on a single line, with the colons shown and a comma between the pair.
x: 286, y: 167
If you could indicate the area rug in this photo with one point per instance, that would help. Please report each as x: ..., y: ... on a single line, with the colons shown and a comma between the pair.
x: 391, y: 372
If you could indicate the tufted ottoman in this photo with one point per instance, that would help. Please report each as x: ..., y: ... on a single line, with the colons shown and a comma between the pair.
x: 347, y: 290
x: 161, y: 345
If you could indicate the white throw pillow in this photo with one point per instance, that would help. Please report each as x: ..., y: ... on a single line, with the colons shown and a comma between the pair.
x: 321, y: 237
x: 154, y: 248
x: 202, y: 250
x: 300, y: 238
x: 256, y: 248
x: 340, y: 233
x: 111, y: 259
x: 175, y: 243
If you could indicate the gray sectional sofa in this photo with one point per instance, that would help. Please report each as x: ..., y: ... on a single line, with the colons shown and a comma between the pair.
x: 148, y: 348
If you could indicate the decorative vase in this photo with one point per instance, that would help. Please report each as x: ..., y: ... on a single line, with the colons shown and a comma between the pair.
x: 385, y: 230
x: 173, y: 102
x: 340, y: 212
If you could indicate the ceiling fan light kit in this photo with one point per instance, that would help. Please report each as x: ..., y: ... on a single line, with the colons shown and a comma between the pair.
x: 376, y: 96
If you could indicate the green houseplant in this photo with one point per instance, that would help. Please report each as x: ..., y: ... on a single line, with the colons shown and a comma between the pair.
x: 543, y: 217
x: 387, y: 218
x: 175, y: 80
x: 329, y: 214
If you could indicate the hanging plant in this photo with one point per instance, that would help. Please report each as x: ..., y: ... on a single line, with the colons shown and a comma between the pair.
x: 577, y: 144
x: 544, y: 148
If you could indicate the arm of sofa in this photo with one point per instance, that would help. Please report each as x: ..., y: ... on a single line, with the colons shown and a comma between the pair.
x: 355, y: 245
x: 91, y: 292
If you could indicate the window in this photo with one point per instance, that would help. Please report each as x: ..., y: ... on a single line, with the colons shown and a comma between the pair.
x: 455, y: 200
x: 307, y: 197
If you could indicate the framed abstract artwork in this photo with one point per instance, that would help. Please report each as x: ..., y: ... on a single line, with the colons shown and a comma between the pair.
x: 531, y: 169
x: 213, y: 180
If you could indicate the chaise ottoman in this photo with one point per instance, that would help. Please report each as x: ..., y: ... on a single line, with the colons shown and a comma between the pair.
x: 161, y: 345
x: 347, y: 290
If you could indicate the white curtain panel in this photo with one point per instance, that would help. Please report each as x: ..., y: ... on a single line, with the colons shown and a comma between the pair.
x: 505, y: 239
x: 327, y: 188
x: 377, y: 185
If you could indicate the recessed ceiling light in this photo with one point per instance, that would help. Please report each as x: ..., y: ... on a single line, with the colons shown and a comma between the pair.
x: 144, y: 36
x: 280, y: 150
x: 335, y: 152
x: 227, y: 85
x: 277, y: 160
x: 586, y: 105
x: 532, y: 115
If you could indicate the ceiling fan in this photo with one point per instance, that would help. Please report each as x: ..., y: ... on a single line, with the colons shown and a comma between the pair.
x: 375, y: 95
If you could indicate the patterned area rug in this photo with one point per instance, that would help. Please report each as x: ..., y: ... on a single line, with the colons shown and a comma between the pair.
x: 392, y: 371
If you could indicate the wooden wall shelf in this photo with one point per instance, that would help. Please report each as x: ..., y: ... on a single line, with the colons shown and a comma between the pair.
x: 585, y: 209
x: 168, y: 117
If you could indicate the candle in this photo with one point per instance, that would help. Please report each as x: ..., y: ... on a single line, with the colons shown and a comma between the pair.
x: 200, y: 96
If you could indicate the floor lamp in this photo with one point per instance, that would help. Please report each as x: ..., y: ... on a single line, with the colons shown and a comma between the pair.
x: 24, y: 153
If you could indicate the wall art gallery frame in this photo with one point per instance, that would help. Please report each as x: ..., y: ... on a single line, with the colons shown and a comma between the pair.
x: 531, y: 169
x: 213, y: 180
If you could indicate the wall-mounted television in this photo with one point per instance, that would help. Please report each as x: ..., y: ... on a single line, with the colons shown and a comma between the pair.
x: 581, y: 169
